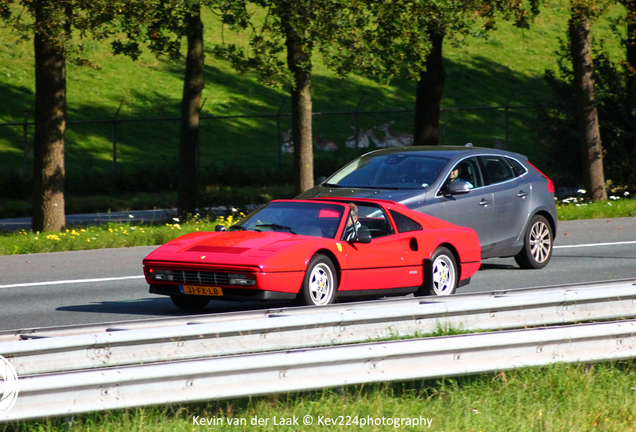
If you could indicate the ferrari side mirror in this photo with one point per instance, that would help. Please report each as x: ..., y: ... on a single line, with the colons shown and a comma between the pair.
x: 364, y: 236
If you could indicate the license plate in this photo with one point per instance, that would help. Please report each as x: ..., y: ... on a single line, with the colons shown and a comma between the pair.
x: 201, y: 290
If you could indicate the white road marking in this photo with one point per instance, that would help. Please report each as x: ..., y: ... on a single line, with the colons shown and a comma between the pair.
x: 75, y: 281
x: 595, y: 244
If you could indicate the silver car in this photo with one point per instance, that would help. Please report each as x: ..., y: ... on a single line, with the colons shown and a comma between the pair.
x: 499, y: 194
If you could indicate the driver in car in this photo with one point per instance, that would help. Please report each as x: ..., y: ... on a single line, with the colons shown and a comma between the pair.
x: 454, y: 176
x: 351, y: 231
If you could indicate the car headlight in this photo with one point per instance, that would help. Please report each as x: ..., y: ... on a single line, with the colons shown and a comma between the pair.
x: 242, y: 279
x: 161, y: 275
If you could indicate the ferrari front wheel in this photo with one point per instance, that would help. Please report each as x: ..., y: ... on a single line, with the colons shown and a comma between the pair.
x: 320, y: 283
x: 443, y: 272
x: 190, y: 303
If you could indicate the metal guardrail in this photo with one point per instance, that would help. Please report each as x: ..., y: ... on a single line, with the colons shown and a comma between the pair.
x: 256, y: 374
x: 283, y: 329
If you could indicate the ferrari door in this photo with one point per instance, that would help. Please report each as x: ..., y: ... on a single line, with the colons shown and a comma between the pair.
x: 389, y: 261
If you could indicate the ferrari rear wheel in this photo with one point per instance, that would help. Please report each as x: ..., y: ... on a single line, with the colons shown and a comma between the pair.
x: 320, y: 283
x: 443, y: 272
x: 190, y: 303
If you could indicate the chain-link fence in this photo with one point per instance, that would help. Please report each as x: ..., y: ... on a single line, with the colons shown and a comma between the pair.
x: 142, y: 154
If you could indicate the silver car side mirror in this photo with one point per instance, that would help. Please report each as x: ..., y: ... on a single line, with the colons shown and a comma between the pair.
x: 457, y: 188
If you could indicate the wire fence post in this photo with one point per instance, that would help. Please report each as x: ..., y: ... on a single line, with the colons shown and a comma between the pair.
x: 506, y: 120
x: 279, y: 144
x: 356, y: 128
x: 198, y: 142
x: 25, y: 145
x: 114, y: 139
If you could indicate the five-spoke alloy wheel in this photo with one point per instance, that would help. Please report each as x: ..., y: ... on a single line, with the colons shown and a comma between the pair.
x: 537, y: 247
x: 443, y: 272
x: 320, y: 283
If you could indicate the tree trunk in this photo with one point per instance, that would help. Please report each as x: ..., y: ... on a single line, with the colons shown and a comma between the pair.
x: 587, y: 116
x: 193, y: 85
x: 429, y: 95
x: 298, y: 61
x: 50, y: 125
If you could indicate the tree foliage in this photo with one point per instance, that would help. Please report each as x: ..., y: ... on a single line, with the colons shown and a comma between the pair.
x: 558, y: 125
x: 396, y: 38
x: 280, y: 49
x: 320, y: 25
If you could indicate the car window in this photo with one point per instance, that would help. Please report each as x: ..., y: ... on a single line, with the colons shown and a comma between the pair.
x: 312, y: 219
x: 468, y: 171
x: 497, y: 169
x: 404, y: 223
x: 389, y: 171
x: 516, y: 165
x: 374, y: 219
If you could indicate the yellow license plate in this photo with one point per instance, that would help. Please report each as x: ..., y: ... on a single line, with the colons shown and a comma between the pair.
x: 202, y: 290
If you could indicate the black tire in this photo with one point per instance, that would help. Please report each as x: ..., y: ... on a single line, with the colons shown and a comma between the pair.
x: 320, y: 283
x: 441, y: 275
x: 537, y: 244
x: 190, y: 303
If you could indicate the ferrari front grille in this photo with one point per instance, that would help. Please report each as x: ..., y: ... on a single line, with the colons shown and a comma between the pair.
x: 197, y: 277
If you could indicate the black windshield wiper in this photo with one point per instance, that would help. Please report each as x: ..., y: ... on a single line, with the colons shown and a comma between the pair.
x: 331, y: 185
x: 276, y: 227
x: 240, y: 228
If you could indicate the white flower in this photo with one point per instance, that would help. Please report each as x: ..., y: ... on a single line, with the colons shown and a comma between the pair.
x: 131, y: 216
x: 626, y: 193
x: 581, y: 191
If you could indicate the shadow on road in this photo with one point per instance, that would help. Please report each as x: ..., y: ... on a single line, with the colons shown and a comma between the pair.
x: 498, y: 267
x: 163, y: 306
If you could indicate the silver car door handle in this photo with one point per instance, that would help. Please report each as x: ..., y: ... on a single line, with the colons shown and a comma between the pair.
x: 484, y: 202
x: 522, y: 194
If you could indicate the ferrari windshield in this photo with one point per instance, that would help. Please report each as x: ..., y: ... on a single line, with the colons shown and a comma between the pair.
x: 389, y: 171
x: 302, y: 218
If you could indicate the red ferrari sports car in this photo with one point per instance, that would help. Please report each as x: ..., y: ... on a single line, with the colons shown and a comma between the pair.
x: 316, y: 251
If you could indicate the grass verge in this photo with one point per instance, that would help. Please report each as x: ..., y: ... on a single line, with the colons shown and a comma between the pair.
x: 560, y: 397
x: 111, y: 235
x: 114, y: 235
x: 580, y: 209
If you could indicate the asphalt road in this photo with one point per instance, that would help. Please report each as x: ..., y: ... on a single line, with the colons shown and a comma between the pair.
x: 64, y: 288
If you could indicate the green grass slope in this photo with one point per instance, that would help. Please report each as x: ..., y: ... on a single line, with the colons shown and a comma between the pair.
x: 507, y: 67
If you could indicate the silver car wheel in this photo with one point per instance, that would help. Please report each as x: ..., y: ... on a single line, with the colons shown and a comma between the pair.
x: 444, y: 275
x: 540, y: 242
x: 537, y: 245
x: 321, y: 284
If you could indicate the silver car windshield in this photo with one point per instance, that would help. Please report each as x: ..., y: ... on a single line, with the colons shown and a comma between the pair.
x: 392, y: 171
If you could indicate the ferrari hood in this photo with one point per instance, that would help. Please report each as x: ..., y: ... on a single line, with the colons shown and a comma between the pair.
x: 225, y: 248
